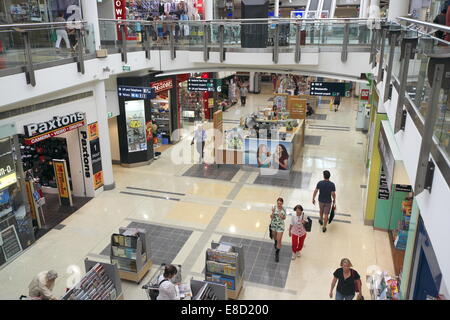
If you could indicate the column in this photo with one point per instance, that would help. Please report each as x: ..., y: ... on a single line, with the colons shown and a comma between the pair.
x: 103, y: 131
x: 90, y: 15
x: 209, y: 9
x: 374, y: 9
x: 276, y: 12
x: 251, y: 87
x: 398, y: 8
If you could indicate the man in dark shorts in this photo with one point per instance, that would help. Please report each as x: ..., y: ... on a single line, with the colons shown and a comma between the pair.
x: 337, y: 102
x: 327, y: 191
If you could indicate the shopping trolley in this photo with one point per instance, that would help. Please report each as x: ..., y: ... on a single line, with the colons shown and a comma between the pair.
x: 152, y: 287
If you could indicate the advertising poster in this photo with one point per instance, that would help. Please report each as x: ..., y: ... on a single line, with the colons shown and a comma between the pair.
x: 281, y: 154
x: 258, y: 153
x: 136, y: 125
x: 96, y: 157
x: 62, y: 180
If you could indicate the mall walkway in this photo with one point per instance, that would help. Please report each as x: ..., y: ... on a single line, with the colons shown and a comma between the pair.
x: 199, y: 210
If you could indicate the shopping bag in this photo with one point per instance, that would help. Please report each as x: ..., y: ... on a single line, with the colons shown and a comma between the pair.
x: 53, y: 36
x: 330, y: 219
x: 308, y: 225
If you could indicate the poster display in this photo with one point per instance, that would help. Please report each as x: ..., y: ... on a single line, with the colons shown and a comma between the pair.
x: 96, y: 158
x: 136, y: 125
x: 62, y: 181
x: 268, y: 154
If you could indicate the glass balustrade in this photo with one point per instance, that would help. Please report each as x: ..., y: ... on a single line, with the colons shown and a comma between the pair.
x: 12, y: 53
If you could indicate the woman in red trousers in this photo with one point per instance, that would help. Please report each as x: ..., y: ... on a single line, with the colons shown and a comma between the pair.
x: 297, y: 231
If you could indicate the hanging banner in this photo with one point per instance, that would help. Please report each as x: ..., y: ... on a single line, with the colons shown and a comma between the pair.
x: 96, y: 158
x: 62, y: 180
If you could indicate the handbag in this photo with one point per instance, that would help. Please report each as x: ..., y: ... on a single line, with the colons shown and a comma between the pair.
x: 308, y: 225
x: 357, y: 289
x: 333, y: 208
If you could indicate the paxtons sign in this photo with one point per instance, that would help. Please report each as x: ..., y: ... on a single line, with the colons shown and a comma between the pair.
x: 36, y: 132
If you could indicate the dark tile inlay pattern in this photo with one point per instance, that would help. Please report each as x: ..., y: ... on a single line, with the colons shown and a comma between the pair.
x: 294, y: 179
x: 363, y: 186
x: 317, y: 116
x: 165, y: 242
x: 219, y: 172
x: 59, y: 226
x: 313, y: 140
x: 260, y: 265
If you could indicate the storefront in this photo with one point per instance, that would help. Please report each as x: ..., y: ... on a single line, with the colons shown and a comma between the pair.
x: 148, y: 116
x: 426, y: 277
x: 29, y: 11
x: 16, y: 226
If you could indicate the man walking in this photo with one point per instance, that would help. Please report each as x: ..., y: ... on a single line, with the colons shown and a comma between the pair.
x: 243, y: 91
x: 327, y: 191
x: 200, y: 140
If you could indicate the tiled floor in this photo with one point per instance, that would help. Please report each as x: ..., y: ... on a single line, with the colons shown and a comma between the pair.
x: 317, y: 116
x: 294, y: 179
x: 313, y: 140
x: 220, y: 172
x: 260, y: 265
x: 165, y: 243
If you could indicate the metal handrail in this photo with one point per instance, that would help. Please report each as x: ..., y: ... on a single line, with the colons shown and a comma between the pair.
x: 38, y: 25
x: 425, y: 24
x: 234, y: 21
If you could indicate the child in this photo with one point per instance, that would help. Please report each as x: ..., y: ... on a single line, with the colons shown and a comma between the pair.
x: 297, y: 231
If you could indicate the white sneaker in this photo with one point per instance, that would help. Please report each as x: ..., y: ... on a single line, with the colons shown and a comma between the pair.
x: 293, y: 256
x: 299, y: 254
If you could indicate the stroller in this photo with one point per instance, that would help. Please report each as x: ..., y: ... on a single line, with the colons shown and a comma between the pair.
x: 152, y: 287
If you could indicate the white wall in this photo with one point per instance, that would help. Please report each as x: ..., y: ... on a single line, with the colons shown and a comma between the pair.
x: 66, y: 76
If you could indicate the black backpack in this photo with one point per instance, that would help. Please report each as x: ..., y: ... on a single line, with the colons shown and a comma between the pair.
x: 153, y: 292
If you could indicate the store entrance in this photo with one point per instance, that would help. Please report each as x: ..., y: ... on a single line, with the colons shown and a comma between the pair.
x: 38, y: 161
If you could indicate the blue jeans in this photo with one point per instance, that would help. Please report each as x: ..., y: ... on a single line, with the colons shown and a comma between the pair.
x: 340, y: 296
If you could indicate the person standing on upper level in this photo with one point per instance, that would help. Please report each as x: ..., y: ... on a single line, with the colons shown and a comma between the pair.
x: 61, y: 32
x: 327, y: 191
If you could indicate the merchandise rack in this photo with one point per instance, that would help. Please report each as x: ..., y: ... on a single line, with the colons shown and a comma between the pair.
x: 130, y: 251
x: 225, y: 267
x: 203, y: 290
x: 383, y: 287
x: 101, y: 282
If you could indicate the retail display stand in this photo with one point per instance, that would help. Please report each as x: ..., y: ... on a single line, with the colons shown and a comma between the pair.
x: 161, y: 116
x: 36, y: 198
x: 225, y: 265
x: 383, y: 287
x: 130, y: 251
x: 101, y: 282
x: 202, y: 290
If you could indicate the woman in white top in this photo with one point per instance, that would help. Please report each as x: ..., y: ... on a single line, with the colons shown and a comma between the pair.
x: 297, y: 231
x: 167, y: 290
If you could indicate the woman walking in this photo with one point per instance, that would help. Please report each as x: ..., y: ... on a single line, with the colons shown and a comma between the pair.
x: 297, y: 231
x: 337, y: 102
x: 349, y: 282
x: 277, y: 226
x: 61, y: 32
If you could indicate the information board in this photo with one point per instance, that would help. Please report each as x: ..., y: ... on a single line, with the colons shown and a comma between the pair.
x: 328, y: 89
x: 200, y: 84
x: 10, y: 242
x: 136, y: 92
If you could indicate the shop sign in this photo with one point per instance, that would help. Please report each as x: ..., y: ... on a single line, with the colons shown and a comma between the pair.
x: 7, y: 168
x: 36, y: 132
x: 94, y: 141
x: 126, y: 68
x: 162, y: 85
x: 383, y: 190
x: 85, y: 152
x: 136, y: 92
x: 119, y: 9
x: 328, y: 89
x: 403, y: 188
x: 61, y: 175
x: 365, y: 94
